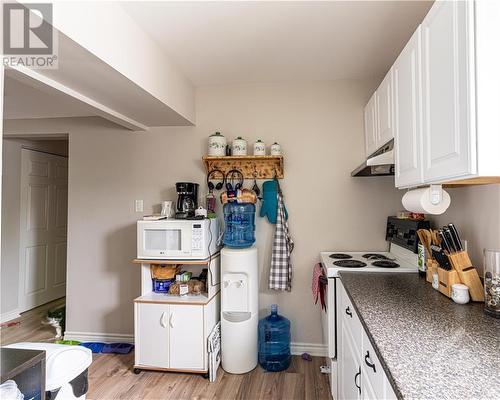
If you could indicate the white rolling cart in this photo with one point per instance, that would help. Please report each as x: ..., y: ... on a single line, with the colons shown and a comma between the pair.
x: 171, y: 331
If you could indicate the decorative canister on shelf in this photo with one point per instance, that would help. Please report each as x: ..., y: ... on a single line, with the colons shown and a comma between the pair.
x: 239, y: 147
x: 492, y: 282
x: 259, y: 148
x: 275, y: 149
x: 217, y: 145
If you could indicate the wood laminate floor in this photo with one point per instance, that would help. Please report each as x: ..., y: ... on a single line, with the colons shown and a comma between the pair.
x: 111, y: 376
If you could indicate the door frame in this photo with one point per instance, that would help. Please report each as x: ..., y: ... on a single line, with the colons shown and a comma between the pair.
x: 21, y: 297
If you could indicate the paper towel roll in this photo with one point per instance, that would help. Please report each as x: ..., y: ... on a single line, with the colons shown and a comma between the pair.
x: 419, y: 201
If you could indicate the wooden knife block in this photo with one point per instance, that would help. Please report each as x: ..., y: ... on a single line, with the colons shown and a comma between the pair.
x: 468, y: 274
x: 432, y: 266
x: 446, y: 279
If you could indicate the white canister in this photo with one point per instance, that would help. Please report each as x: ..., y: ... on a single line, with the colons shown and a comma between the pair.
x: 275, y: 149
x: 259, y: 148
x: 460, y: 293
x: 217, y: 145
x: 239, y: 147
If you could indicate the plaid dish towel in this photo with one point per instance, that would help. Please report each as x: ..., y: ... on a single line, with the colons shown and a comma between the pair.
x: 280, y: 276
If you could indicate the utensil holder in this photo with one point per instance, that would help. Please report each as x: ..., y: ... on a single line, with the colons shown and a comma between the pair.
x: 446, y: 280
x: 468, y: 274
x: 432, y: 266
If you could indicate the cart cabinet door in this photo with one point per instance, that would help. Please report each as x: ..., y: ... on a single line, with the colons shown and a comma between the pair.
x: 151, y: 334
x: 187, y: 344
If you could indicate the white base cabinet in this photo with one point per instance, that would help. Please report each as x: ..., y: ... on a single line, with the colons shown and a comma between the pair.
x: 360, y: 375
x: 174, y: 336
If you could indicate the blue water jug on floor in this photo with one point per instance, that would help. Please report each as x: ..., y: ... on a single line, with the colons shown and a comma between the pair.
x: 274, y: 342
x: 239, y: 220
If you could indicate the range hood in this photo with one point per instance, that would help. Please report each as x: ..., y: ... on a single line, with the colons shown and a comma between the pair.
x: 380, y: 163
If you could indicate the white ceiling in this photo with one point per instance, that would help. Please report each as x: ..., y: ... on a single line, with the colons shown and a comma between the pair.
x: 270, y: 41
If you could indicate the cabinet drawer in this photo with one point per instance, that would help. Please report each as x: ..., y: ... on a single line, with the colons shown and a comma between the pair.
x: 349, y: 317
x: 373, y: 376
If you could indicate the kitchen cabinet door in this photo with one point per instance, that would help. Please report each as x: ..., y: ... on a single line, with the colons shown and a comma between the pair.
x: 449, y: 138
x: 187, y: 346
x: 385, y: 130
x: 407, y: 114
x: 349, y: 368
x: 371, y: 125
x: 151, y: 335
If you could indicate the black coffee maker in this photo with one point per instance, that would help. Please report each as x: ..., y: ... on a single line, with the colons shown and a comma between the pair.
x: 187, y: 200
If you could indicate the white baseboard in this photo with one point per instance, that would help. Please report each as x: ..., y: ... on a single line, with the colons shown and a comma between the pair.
x: 99, y: 337
x: 10, y: 315
x: 297, y: 348
x: 314, y: 349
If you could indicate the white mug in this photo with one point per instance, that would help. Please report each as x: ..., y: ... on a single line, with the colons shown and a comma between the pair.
x: 460, y: 293
x: 167, y: 208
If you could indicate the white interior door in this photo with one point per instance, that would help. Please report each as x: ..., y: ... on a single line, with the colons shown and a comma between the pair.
x: 43, y: 228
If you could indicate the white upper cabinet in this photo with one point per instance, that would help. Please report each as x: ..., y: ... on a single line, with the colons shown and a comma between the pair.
x: 407, y: 115
x: 371, y: 126
x: 449, y: 134
x: 378, y: 117
x: 385, y: 131
x: 446, y: 98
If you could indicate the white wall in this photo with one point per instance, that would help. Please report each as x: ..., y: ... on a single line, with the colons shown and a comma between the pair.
x: 320, y: 129
x: 475, y: 210
x: 11, y: 190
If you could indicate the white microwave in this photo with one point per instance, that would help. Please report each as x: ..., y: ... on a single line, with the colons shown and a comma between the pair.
x: 177, y: 238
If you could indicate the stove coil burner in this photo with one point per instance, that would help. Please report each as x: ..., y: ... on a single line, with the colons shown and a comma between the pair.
x: 340, y: 256
x: 375, y: 256
x: 350, y: 263
x: 385, y: 264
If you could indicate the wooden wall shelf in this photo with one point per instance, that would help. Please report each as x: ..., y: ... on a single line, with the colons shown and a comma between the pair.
x: 264, y: 166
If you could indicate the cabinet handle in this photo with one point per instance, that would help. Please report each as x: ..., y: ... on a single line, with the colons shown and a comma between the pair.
x: 348, y: 311
x: 356, y: 380
x: 170, y: 320
x: 162, y: 320
x: 370, y: 364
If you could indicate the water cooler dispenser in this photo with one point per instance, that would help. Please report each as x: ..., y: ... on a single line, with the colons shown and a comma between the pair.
x: 239, y: 309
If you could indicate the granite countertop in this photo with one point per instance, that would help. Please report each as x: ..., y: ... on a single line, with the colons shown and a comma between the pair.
x: 429, y: 347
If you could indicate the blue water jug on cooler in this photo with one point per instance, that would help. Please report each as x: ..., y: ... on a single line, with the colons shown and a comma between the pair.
x: 274, y: 342
x: 239, y: 219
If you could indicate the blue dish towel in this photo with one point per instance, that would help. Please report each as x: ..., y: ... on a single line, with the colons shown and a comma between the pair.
x: 269, y: 207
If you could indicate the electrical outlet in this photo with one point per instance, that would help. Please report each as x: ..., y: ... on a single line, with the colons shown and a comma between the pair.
x: 139, y: 206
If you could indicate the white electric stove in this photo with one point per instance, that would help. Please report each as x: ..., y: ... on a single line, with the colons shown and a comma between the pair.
x: 396, y: 260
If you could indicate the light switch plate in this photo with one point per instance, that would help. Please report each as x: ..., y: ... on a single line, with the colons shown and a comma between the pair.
x: 139, y: 206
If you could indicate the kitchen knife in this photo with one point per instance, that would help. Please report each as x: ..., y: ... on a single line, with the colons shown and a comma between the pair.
x: 456, y: 237
x: 449, y: 239
x: 440, y: 257
x: 444, y: 242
